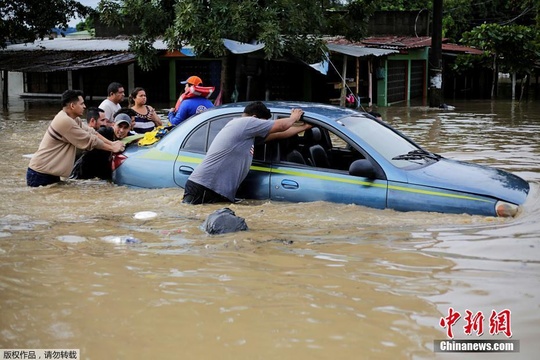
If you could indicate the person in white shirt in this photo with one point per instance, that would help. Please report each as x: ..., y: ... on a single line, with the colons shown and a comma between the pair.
x: 115, y: 95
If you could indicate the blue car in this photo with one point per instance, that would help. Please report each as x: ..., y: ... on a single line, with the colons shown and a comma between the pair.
x: 346, y: 157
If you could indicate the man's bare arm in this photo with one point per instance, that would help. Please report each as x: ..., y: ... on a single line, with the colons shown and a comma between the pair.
x: 114, y: 146
x: 293, y: 130
x: 285, y: 123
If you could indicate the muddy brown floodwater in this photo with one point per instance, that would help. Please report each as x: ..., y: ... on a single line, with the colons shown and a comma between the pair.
x: 307, y: 281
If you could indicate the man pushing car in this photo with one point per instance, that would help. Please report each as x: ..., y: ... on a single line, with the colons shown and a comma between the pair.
x: 229, y: 157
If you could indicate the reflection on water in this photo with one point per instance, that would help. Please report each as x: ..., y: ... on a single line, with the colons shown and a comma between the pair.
x: 306, y: 281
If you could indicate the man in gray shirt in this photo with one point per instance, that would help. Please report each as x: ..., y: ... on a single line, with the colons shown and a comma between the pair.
x: 229, y: 157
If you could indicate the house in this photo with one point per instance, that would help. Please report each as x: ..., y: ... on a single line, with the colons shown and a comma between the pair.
x: 381, y: 69
x: 46, y: 68
x: 386, y: 70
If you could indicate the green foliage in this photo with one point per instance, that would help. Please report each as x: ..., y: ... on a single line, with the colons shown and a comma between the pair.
x: 284, y: 26
x: 402, y: 5
x: 26, y: 20
x: 87, y: 24
x: 147, y: 55
x: 287, y: 27
x: 469, y: 62
x: 461, y: 16
x: 152, y: 17
x: 112, y: 13
x: 350, y: 20
x: 514, y: 48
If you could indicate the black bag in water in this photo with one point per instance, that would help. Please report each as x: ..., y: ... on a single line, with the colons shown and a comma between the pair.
x: 223, y: 221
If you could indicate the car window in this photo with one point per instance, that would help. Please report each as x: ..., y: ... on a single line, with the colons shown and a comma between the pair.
x: 382, y: 139
x: 318, y: 147
x: 217, y: 125
x: 200, y: 139
x: 196, y: 141
x: 338, y: 142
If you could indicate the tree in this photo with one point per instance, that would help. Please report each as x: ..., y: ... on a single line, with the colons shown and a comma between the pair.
x: 288, y: 28
x: 402, y: 5
x: 285, y: 26
x: 26, y: 20
x: 350, y: 20
x: 461, y: 16
x: 87, y: 24
x: 511, y: 48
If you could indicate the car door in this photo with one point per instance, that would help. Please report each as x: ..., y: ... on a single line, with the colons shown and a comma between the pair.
x: 195, y: 145
x: 257, y: 184
x: 309, y: 176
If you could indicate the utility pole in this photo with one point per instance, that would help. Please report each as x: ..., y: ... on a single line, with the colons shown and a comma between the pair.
x: 435, y: 57
x: 4, y: 82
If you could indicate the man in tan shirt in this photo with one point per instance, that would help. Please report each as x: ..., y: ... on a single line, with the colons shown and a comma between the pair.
x: 66, y: 133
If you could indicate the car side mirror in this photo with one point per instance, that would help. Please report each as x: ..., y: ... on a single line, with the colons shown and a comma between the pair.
x: 362, y: 168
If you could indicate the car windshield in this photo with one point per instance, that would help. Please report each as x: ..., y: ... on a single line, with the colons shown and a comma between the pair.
x: 393, y: 147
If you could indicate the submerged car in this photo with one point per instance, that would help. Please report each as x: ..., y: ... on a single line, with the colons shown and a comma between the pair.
x: 346, y: 157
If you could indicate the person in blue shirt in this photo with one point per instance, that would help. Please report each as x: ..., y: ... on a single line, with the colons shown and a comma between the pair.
x: 193, y: 101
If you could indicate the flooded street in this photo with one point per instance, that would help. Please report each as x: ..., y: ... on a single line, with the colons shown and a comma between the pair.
x: 307, y: 281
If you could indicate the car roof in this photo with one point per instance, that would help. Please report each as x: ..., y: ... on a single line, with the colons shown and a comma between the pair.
x: 331, y: 112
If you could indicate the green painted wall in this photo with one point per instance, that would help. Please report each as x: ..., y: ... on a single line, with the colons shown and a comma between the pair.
x: 415, y: 54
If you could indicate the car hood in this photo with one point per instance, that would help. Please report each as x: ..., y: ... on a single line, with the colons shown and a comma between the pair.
x: 471, y: 178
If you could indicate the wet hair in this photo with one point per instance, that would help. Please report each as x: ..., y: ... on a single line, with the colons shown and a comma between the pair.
x: 113, y: 88
x: 125, y: 110
x: 93, y: 112
x: 258, y: 109
x: 71, y: 96
x: 133, y: 95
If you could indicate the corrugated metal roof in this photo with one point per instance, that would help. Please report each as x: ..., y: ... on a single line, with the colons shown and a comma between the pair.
x: 62, y: 54
x: 359, y: 51
x: 461, y: 49
x: 412, y: 42
x: 77, y: 44
x: 53, y: 60
x: 398, y: 42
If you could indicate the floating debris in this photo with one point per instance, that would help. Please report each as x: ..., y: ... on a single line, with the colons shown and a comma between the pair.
x: 121, y: 240
x: 144, y: 215
x: 223, y: 221
x: 72, y: 239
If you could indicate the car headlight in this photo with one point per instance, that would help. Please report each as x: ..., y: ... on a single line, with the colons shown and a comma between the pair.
x: 506, y: 209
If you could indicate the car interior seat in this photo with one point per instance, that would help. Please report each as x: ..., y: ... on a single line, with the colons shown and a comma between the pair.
x: 318, y: 156
x: 295, y: 156
x: 290, y: 149
x: 311, y: 137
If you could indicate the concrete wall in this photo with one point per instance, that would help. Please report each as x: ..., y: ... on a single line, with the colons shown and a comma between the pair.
x: 15, y: 84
